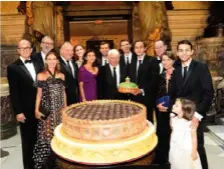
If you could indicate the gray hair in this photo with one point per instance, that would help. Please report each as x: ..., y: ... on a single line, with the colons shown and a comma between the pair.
x: 47, y: 37
x: 113, y: 52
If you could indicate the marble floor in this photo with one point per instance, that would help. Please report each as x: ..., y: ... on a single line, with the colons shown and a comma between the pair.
x: 214, y: 149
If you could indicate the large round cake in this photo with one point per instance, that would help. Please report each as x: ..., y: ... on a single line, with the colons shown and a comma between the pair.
x: 104, y: 132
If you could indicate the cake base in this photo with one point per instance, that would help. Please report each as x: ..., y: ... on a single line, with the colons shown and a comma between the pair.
x: 107, y: 152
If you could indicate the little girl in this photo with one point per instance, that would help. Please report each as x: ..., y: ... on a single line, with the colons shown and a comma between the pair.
x: 183, y: 144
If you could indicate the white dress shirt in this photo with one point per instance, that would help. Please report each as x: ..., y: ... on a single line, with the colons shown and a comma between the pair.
x: 30, y: 68
x: 160, y: 65
x: 140, y: 58
x: 129, y: 56
x: 117, y: 72
x: 43, y: 56
x: 188, y: 65
x: 103, y: 60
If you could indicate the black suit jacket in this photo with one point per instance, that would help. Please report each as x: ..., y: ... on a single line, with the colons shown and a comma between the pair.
x: 107, y: 89
x: 123, y: 63
x: 22, y: 89
x: 147, y: 74
x: 196, y: 87
x: 38, y: 58
x: 70, y: 82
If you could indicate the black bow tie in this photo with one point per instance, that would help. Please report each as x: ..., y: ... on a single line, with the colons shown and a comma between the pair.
x: 159, y: 61
x: 28, y: 61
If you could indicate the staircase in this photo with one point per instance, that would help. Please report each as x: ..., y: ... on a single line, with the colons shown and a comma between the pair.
x: 217, y: 130
x: 186, y: 24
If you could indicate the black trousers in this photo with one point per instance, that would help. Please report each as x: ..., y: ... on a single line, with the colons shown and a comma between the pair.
x: 163, y: 132
x: 201, y: 148
x: 28, y: 137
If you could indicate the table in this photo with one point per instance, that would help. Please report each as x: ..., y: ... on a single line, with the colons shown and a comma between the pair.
x: 154, y: 160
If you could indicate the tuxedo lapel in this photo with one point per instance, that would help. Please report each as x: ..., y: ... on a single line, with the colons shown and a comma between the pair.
x: 179, y: 76
x: 36, y: 67
x: 25, y: 70
x: 75, y: 70
x: 122, y: 74
x: 65, y: 67
x: 189, y: 72
x: 133, y: 69
x: 109, y: 72
x: 141, y: 67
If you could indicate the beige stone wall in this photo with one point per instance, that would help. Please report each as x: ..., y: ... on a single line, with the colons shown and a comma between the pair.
x: 12, y: 23
x: 9, y: 7
x: 190, y: 4
x: 186, y: 24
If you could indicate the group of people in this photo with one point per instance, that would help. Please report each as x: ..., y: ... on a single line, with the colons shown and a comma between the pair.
x: 42, y: 84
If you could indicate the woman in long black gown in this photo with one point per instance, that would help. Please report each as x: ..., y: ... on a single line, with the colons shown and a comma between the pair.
x: 163, y: 113
x: 50, y: 100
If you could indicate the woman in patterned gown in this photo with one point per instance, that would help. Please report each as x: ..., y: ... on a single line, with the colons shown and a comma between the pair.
x: 50, y: 100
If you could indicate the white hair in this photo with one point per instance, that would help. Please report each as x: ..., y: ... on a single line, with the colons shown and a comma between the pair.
x: 47, y: 37
x: 113, y: 52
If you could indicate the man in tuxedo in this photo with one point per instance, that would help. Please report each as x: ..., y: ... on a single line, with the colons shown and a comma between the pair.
x: 21, y: 77
x: 104, y: 49
x: 144, y: 71
x: 47, y: 44
x: 70, y: 70
x: 127, y: 56
x: 192, y: 80
x: 110, y: 76
x: 160, y: 48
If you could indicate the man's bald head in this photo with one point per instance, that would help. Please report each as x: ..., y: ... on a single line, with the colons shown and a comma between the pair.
x: 24, y: 41
x: 66, y: 50
x: 114, y: 57
x: 24, y: 48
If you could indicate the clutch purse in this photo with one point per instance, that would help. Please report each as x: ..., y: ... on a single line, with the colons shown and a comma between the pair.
x: 44, y: 111
x: 165, y: 100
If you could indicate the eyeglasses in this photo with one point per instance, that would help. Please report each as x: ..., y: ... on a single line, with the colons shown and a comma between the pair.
x: 47, y: 43
x: 24, y: 49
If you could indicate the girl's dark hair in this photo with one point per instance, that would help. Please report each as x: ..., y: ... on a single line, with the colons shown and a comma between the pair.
x: 187, y: 42
x: 85, y: 56
x: 188, y: 108
x: 169, y: 54
x: 57, y: 68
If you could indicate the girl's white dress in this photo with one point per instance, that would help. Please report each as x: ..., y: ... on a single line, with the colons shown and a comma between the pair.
x: 181, y: 146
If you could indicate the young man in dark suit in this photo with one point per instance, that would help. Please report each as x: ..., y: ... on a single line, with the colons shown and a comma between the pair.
x: 70, y: 70
x: 21, y: 77
x: 104, y: 49
x: 47, y: 44
x: 127, y: 56
x: 144, y: 71
x: 110, y: 76
x: 192, y: 80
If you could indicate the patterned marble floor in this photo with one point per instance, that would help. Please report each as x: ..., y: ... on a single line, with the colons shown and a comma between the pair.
x: 214, y: 149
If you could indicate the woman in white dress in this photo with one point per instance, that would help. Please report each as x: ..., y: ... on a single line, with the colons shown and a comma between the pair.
x: 183, y: 144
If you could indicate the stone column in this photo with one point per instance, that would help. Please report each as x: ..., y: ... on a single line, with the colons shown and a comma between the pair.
x: 206, y: 51
x: 136, y: 27
x: 59, y: 26
x: 8, y: 122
